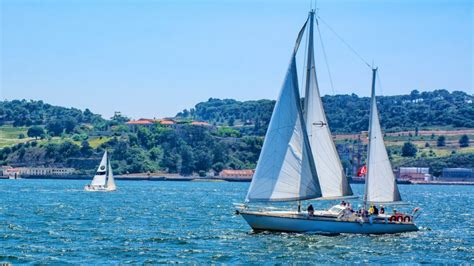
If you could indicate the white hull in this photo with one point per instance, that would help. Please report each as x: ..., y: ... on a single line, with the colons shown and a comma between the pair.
x: 98, y: 189
x: 301, y: 222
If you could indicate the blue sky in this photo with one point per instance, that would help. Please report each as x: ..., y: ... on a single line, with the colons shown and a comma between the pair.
x: 155, y: 58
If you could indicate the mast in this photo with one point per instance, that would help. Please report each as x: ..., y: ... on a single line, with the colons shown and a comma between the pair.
x: 373, y: 102
x: 333, y: 181
x: 309, y: 63
x: 286, y: 169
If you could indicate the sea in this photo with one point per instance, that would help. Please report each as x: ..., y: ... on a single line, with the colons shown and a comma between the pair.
x: 153, y: 222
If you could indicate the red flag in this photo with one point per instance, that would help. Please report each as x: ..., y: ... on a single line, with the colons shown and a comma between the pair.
x: 362, y: 171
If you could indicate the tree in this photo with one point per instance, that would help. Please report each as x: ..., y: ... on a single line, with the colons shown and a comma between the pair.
x: 86, y: 148
x: 231, y: 121
x: 68, y: 149
x: 409, y: 150
x: 187, y: 163
x: 69, y: 124
x: 35, y: 132
x: 464, y: 141
x: 441, y: 141
x: 217, y: 167
x: 54, y: 128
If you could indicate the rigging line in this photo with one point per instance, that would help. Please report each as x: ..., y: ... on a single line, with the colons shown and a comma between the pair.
x: 346, y: 43
x: 379, y: 82
x: 325, y: 58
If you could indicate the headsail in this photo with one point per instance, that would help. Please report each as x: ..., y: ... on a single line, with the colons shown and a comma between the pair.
x: 285, y: 169
x: 110, y: 178
x: 331, y: 175
x: 100, y: 176
x: 381, y: 185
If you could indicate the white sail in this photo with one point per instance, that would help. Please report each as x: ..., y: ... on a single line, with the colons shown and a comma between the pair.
x: 381, y: 185
x: 331, y: 175
x: 100, y: 176
x: 110, y: 178
x: 285, y: 169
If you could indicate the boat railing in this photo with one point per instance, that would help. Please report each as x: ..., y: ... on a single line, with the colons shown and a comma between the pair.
x: 243, y: 206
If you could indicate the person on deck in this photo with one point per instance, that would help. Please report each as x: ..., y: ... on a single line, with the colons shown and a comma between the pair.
x: 371, y: 209
x: 382, y: 210
x: 376, y: 211
x: 310, y: 210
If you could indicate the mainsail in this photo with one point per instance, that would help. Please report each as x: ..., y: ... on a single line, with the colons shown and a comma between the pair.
x: 285, y: 169
x: 110, y: 178
x: 380, y: 183
x: 100, y: 176
x: 331, y: 175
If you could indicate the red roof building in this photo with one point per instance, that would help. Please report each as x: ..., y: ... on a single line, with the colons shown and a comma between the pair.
x: 142, y: 122
x: 139, y: 122
x: 230, y: 173
x: 167, y: 122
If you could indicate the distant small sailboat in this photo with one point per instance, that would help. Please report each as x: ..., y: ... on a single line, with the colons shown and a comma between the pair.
x: 299, y: 161
x: 103, y: 180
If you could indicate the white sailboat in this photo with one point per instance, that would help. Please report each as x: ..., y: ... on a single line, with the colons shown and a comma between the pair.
x: 299, y: 161
x: 103, y: 180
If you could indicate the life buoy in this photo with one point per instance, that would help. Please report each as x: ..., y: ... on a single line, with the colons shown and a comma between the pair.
x: 407, y: 219
x: 400, y: 219
x: 393, y: 218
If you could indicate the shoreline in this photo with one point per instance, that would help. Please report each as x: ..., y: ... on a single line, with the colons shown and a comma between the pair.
x: 173, y: 177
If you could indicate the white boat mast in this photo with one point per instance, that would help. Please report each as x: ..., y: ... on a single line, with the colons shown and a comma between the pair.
x: 334, y: 183
x: 285, y: 169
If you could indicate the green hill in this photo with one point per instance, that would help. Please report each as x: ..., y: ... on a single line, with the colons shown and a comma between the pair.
x: 33, y: 133
x: 350, y: 113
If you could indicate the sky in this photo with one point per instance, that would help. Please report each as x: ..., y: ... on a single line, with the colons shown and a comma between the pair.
x: 150, y: 58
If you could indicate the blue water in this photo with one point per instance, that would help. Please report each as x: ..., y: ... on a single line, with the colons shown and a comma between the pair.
x: 55, y: 222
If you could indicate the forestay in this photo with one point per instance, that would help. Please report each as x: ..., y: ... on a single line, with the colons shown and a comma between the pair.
x: 285, y: 169
x: 100, y: 176
x: 380, y: 183
x: 331, y: 175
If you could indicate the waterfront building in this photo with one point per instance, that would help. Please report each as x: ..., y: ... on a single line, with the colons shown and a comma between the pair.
x: 457, y: 174
x: 54, y: 171
x: 414, y: 173
x: 237, y: 174
x: 12, y: 172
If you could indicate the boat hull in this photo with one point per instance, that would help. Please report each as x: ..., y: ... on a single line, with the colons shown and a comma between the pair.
x: 268, y: 221
x: 98, y: 189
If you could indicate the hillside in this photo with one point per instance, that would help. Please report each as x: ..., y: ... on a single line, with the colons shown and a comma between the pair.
x: 33, y: 133
x: 350, y: 113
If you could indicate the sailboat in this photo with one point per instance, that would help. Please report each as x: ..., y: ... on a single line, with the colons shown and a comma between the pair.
x: 299, y: 162
x: 103, y: 180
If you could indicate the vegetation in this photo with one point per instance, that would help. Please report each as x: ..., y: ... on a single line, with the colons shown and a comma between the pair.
x: 37, y: 134
x: 441, y: 141
x: 350, y: 113
x: 409, y: 150
x: 464, y: 141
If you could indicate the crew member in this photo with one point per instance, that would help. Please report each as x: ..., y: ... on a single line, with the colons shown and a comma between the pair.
x: 310, y: 210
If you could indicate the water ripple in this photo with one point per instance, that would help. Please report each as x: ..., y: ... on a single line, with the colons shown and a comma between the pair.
x: 47, y: 222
